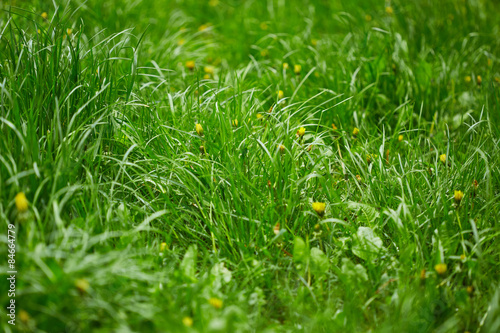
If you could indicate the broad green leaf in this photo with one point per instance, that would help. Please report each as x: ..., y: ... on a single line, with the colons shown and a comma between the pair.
x: 188, y: 264
x: 300, y: 250
x: 319, y: 261
x: 366, y: 244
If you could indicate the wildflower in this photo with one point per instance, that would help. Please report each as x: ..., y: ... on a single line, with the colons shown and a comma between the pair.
x: 468, y: 79
x: 24, y: 316
x: 334, y: 127
x: 213, y: 3
x: 301, y: 132
x: 479, y: 80
x: 441, y: 268
x: 235, y: 123
x: 281, y: 148
x: 317, y: 226
x: 259, y: 116
x: 285, y: 66
x: 355, y: 131
x: 187, y: 321
x: 206, y: 76
x: 276, y: 228
x: 69, y: 31
x: 264, y: 26
x: 442, y: 158
x: 44, y: 15
x: 463, y: 257
x: 458, y: 196
x: 358, y: 177
x: 204, y: 27
x: 190, y: 64
x: 209, y: 70
x: 163, y: 246
x: 21, y: 202
x: 400, y: 138
x: 389, y: 10
x: 319, y: 208
x: 215, y: 302
x: 281, y: 94
x: 181, y: 42
x: 297, y: 69
x: 314, y: 42
x: 199, y: 129
x: 82, y: 285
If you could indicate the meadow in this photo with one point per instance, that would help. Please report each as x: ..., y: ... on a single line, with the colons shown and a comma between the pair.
x: 250, y: 166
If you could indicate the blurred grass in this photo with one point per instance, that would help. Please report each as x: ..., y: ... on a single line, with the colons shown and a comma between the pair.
x: 98, y: 130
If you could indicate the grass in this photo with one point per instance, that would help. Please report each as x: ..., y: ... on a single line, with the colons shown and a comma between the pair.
x: 136, y: 222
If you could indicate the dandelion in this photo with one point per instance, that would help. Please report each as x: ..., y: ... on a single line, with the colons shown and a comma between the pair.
x: 358, y: 177
x: 442, y: 158
x: 334, y: 127
x: 400, y: 138
x: 187, y: 321
x: 319, y: 208
x: 44, y: 15
x: 389, y: 10
x: 276, y: 229
x: 468, y: 78
x: 281, y: 148
x: 355, y: 131
x: 82, y: 285
x: 204, y: 27
x: 281, y: 94
x: 259, y: 116
x: 21, y: 202
x: 297, y: 69
x: 285, y: 66
x: 69, y: 31
x: 199, y: 129
x: 479, y: 80
x: 190, y: 64
x: 458, y: 196
x: 235, y: 123
x: 215, y: 302
x: 314, y: 42
x: 163, y: 246
x: 264, y: 26
x: 301, y: 132
x: 206, y: 76
x: 209, y: 70
x: 441, y: 268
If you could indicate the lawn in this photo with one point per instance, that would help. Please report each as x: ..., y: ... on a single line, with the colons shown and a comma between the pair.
x: 250, y: 166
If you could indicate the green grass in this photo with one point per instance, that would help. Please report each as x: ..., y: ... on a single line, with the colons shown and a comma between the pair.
x: 97, y: 128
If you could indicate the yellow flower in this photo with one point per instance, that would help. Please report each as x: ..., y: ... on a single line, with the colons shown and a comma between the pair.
x: 213, y: 3
x: 206, y: 76
x: 199, y: 129
x: 69, y: 31
x: 285, y: 66
x: 209, y: 69
x: 82, y: 285
x: 334, y: 127
x: 181, y: 42
x: 187, y: 321
x: 463, y: 257
x: 235, y: 123
x: 319, y: 208
x: 45, y: 15
x: 479, y: 79
x: 190, y: 64
x: 458, y: 196
x: 441, y: 268
x: 203, y: 27
x: 163, y: 246
x: 215, y: 302
x: 301, y: 132
x: 281, y: 94
x: 264, y: 26
x: 24, y: 316
x: 259, y: 116
x: 358, y: 177
x: 21, y: 202
x: 314, y: 42
x: 297, y: 69
x: 389, y: 10
x: 442, y: 158
x: 470, y: 289
x: 400, y: 138
x: 281, y: 148
x: 355, y: 131
x: 468, y: 79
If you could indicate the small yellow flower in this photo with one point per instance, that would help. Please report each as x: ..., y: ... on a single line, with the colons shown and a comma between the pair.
x: 281, y: 148
x: 458, y: 196
x: 203, y: 27
x: 187, y: 321
x: 314, y: 42
x: 285, y: 66
x: 259, y: 116
x: 235, y: 123
x: 479, y: 79
x: 358, y: 177
x: 24, y: 316
x: 206, y: 76
x: 400, y: 138
x: 213, y: 3
x: 181, y: 42
x: 355, y: 131
x: 69, y: 31
x: 199, y: 129
x: 39, y: 31
x: 163, y: 246
x: 301, y: 132
x: 319, y: 208
x: 468, y: 79
x: 21, y: 202
x: 190, y: 64
x: 82, y: 285
x: 463, y: 257
x: 281, y: 94
x: 297, y: 69
x: 442, y: 158
x: 45, y: 15
x: 441, y: 268
x: 209, y: 69
x: 334, y: 127
x: 264, y: 26
x: 389, y: 10
x: 215, y: 302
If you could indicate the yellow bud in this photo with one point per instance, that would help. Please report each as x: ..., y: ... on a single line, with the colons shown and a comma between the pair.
x: 281, y: 94
x: 215, y: 302
x: 187, y: 321
x: 190, y: 64
x: 163, y: 246
x: 400, y: 138
x: 21, y: 202
x: 442, y: 158
x: 441, y: 268
x: 199, y: 129
x: 297, y: 69
x: 458, y: 196
x: 389, y: 10
x: 355, y: 131
x: 285, y: 66
x: 45, y: 15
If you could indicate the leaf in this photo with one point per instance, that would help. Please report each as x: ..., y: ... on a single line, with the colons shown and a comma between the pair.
x: 366, y: 244
x: 353, y: 272
x: 319, y: 262
x: 367, y: 214
x: 300, y: 250
x: 188, y: 264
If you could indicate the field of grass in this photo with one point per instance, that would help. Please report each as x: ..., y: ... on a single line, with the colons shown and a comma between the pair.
x: 250, y: 166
